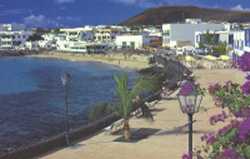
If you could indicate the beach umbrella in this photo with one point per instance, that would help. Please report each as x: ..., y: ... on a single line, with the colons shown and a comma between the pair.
x: 210, y: 57
x: 224, y: 57
x: 189, y: 58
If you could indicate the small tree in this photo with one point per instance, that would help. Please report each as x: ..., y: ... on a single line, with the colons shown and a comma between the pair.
x: 221, y: 48
x: 126, y: 98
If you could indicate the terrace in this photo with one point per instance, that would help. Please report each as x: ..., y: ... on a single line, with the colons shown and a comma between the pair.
x: 168, y: 133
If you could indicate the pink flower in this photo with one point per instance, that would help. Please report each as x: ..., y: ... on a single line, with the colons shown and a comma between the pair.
x: 186, y: 156
x: 246, y: 88
x: 209, y: 138
x: 218, y: 118
x: 244, y: 62
x: 213, y: 88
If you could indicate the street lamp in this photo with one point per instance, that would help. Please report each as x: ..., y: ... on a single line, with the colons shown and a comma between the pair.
x: 65, y: 78
x: 190, y: 101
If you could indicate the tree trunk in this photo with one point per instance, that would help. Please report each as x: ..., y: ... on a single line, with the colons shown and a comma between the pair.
x: 126, y: 130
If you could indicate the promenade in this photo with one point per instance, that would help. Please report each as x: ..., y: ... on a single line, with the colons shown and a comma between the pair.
x: 170, y: 138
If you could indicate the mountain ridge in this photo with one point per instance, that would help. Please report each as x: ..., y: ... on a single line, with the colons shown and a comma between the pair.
x: 173, y: 14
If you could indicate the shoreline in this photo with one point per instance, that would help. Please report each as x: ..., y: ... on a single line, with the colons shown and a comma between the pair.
x: 119, y: 60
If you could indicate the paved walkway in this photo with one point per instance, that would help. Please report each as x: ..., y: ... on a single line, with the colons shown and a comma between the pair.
x: 170, y: 142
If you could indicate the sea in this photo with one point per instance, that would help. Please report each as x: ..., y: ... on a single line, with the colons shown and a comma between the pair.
x: 32, y: 96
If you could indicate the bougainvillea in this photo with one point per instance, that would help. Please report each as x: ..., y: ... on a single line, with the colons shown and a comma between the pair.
x: 186, y: 156
x: 218, y: 118
x: 233, y: 140
x: 214, y: 88
x: 230, y: 153
x: 244, y: 130
x: 246, y: 88
x: 209, y: 138
x: 244, y: 62
x: 248, y: 76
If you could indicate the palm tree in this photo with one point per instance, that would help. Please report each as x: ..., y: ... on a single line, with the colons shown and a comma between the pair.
x: 126, y: 99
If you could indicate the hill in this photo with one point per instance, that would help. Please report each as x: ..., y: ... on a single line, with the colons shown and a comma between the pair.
x: 171, y: 14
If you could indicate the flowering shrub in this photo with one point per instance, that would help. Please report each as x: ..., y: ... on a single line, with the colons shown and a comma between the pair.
x: 244, y: 62
x: 233, y: 140
x: 246, y: 88
x: 186, y: 156
x: 213, y: 88
x: 228, y: 95
x: 218, y: 118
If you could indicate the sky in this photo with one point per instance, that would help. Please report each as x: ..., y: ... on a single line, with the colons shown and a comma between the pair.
x: 73, y: 13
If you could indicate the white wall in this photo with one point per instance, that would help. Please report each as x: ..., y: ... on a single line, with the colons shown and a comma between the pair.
x: 185, y: 32
x: 12, y: 39
x: 223, y: 36
x: 239, y: 42
x: 129, y: 39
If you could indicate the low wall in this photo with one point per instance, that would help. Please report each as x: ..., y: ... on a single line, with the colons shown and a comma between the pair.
x: 76, y: 135
x: 58, y: 141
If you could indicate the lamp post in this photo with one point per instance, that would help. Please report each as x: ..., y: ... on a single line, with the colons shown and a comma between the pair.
x: 190, y: 101
x: 65, y: 82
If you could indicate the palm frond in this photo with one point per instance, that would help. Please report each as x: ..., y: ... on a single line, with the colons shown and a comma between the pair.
x: 122, y: 91
x: 126, y: 96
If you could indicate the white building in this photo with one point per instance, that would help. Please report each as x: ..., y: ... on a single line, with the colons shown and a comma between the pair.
x: 193, y: 20
x: 218, y: 36
x: 152, y: 31
x: 80, y: 47
x: 78, y: 34
x: 32, y: 45
x: 79, y: 40
x: 12, y: 27
x: 13, y: 36
x: 183, y: 34
x: 13, y: 39
x: 105, y: 35
x: 241, y: 41
x: 129, y: 41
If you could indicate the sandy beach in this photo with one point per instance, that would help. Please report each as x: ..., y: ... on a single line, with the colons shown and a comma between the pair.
x: 169, y: 141
x: 133, y: 62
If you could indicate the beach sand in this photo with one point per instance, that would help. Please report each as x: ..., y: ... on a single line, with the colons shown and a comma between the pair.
x: 135, y: 62
x: 169, y: 142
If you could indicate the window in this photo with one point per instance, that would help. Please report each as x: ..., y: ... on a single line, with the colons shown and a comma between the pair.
x: 124, y: 44
x: 132, y: 45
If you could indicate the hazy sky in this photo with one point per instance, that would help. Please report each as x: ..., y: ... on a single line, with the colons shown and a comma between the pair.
x: 81, y: 12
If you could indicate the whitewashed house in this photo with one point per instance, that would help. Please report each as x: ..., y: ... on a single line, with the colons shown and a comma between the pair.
x: 104, y: 35
x: 31, y: 45
x: 183, y: 34
x: 218, y: 36
x: 13, y: 36
x: 76, y: 34
x: 129, y: 41
x: 241, y: 41
x: 80, y: 40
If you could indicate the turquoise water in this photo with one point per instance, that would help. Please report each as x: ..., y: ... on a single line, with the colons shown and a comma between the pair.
x: 32, y: 97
